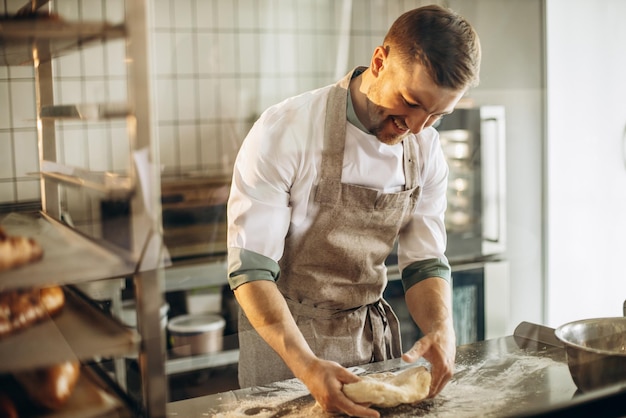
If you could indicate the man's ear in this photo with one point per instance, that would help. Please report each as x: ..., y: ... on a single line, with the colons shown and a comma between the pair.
x: 378, y: 60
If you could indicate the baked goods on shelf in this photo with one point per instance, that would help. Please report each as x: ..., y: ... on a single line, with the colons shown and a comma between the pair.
x: 39, y: 391
x: 17, y: 251
x: 50, y: 387
x: 22, y: 308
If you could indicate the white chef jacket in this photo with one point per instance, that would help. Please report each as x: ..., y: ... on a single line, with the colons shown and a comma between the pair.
x: 278, y: 167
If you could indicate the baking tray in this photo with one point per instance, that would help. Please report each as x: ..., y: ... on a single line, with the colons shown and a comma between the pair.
x: 69, y: 257
x: 80, y: 331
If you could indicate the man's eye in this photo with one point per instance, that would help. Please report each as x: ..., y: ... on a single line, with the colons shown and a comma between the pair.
x: 409, y: 104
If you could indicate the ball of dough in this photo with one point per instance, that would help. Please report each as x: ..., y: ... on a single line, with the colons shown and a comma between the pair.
x: 388, y: 389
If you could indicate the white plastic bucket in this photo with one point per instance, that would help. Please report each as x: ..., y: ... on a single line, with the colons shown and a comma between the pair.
x: 196, y: 334
x: 129, y: 314
x: 204, y: 300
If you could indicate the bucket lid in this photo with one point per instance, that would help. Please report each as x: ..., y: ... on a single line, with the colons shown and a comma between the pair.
x: 196, y: 323
x: 129, y: 312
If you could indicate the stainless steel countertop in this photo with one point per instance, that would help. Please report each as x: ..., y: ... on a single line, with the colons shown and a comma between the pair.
x: 503, y: 377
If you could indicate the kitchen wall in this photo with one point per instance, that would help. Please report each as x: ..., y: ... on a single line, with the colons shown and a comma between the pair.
x: 586, y: 154
x: 18, y: 135
x: 219, y: 64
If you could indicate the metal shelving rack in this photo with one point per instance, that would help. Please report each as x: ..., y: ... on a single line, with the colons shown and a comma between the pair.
x: 83, y: 331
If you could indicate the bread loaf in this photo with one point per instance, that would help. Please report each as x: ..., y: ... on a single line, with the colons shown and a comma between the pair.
x: 17, y: 251
x: 50, y: 387
x: 22, y: 308
x: 53, y: 299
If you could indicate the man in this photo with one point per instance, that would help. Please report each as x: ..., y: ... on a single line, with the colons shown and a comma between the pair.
x: 324, y: 184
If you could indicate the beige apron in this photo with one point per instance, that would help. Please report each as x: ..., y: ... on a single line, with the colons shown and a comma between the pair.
x: 333, y: 277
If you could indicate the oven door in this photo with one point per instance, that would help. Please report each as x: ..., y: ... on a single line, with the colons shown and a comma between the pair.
x: 474, y: 145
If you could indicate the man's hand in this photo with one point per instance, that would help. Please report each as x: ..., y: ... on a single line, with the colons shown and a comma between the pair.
x: 268, y: 313
x: 439, y: 348
x: 325, y: 380
x: 430, y: 304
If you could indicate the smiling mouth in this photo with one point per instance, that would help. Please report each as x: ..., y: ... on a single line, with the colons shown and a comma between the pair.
x: 399, y: 124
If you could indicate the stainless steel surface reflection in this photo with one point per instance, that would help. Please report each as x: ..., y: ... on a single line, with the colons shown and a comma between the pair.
x: 509, y: 376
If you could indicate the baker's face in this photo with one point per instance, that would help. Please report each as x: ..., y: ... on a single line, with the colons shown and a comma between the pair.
x: 404, y: 100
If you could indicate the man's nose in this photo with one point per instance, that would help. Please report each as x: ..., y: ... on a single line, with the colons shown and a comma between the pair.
x: 417, y: 120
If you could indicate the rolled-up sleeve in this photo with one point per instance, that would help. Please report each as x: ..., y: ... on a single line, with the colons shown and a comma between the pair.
x: 422, y: 270
x: 246, y: 266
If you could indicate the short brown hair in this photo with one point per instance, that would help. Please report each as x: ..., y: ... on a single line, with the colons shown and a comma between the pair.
x: 441, y: 40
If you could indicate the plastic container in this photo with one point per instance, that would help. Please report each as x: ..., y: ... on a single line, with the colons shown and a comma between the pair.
x: 196, y: 334
x: 129, y: 318
x: 129, y: 314
x: 204, y: 300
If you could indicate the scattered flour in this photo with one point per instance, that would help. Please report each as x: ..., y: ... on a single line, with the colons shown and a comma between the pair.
x: 486, y: 389
x: 290, y: 397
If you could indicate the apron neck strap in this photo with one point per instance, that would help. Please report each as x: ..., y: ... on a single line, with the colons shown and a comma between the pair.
x: 335, y: 129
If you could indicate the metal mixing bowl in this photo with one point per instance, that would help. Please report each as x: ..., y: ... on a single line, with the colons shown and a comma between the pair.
x: 596, y: 351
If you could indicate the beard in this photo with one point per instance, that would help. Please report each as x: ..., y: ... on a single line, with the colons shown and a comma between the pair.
x: 382, y: 125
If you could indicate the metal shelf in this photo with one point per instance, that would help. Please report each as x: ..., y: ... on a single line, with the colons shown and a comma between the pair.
x: 196, y: 274
x: 79, y: 332
x: 186, y: 364
x: 25, y: 41
x: 69, y: 257
x: 88, y: 111
x: 107, y: 184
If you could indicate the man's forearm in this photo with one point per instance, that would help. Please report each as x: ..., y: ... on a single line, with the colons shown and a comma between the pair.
x: 430, y: 304
x: 267, y: 311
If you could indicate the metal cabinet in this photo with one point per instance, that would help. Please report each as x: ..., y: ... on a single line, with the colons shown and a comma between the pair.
x: 122, y: 237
